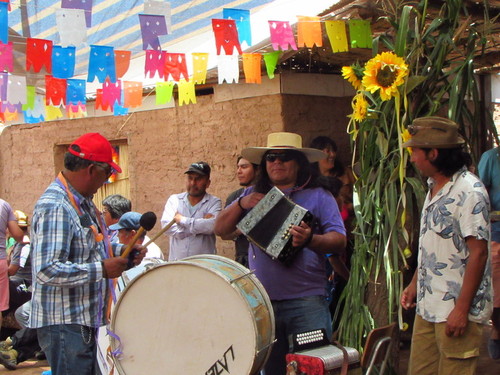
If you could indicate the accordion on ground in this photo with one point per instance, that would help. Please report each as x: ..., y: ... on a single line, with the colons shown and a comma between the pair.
x: 268, y: 225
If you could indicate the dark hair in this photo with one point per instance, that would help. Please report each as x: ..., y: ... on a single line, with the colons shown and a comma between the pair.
x: 255, y: 166
x: 450, y: 160
x: 74, y: 163
x: 306, y: 178
x: 117, y: 205
x: 321, y: 143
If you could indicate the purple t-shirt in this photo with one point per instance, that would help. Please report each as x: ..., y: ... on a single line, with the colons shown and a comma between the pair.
x: 6, y: 215
x: 306, y: 276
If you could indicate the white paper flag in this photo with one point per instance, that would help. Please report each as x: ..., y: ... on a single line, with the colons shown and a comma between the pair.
x: 71, y: 26
x: 228, y: 68
x: 16, y: 90
x: 159, y: 8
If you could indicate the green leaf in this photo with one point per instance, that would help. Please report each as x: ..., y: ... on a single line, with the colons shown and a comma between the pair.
x: 413, y: 81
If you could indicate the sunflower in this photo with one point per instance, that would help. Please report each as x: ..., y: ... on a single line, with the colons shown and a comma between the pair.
x: 353, y: 74
x: 360, y: 107
x: 406, y: 137
x: 385, y: 72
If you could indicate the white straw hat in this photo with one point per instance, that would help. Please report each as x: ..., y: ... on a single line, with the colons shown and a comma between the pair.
x: 282, y: 141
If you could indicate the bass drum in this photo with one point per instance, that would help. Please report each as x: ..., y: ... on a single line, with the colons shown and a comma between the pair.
x: 202, y: 315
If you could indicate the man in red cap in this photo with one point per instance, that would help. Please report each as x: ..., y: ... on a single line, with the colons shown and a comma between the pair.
x: 72, y: 258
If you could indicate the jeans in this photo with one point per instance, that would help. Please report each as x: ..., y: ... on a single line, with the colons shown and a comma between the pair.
x: 296, y: 316
x: 70, y: 349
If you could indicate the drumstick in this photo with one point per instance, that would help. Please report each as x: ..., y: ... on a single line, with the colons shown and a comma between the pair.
x: 165, y: 228
x: 147, y: 222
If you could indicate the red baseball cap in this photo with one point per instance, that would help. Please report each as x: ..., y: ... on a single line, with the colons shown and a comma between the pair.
x: 95, y: 147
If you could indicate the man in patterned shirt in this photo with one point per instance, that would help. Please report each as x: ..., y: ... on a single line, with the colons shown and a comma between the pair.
x: 72, y: 258
x: 452, y: 283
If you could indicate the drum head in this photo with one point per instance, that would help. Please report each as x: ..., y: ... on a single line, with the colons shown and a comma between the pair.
x: 182, y: 318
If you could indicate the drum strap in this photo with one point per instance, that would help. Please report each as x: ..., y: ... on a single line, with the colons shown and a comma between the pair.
x: 345, y: 361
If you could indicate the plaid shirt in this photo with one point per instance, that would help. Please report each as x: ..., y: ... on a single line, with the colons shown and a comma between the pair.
x: 68, y: 287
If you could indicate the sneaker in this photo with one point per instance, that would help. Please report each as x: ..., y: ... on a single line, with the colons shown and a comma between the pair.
x: 494, y: 348
x: 6, y: 345
x: 8, y: 358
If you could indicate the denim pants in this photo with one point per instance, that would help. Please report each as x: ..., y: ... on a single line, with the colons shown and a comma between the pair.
x: 70, y: 349
x: 296, y: 316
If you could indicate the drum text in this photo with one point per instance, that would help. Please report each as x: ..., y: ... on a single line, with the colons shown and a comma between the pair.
x: 222, y: 364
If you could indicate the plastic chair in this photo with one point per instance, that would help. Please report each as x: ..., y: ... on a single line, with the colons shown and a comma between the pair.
x: 377, y: 349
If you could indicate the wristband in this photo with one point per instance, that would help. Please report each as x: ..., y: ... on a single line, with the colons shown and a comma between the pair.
x: 239, y: 203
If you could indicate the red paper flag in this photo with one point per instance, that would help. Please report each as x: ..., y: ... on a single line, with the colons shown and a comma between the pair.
x: 122, y: 62
x: 98, y: 102
x: 55, y: 91
x: 175, y: 65
x: 226, y: 36
x: 38, y: 54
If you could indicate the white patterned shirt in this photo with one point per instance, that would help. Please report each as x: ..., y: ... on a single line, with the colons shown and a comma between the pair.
x: 459, y: 210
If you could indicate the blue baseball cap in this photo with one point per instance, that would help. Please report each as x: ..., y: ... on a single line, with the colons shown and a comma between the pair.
x: 129, y: 220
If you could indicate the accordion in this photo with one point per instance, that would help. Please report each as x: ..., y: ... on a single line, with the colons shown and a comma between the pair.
x: 268, y: 225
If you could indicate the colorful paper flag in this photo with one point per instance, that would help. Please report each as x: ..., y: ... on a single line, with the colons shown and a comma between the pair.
x: 175, y: 66
x: 122, y: 62
x: 55, y: 91
x: 152, y: 26
x: 200, y: 63
x: 4, y: 22
x: 111, y: 93
x: 271, y: 60
x: 99, y: 104
x: 30, y: 98
x: 132, y: 93
x: 228, y: 68
x: 226, y: 36
x: 337, y: 35
x: 282, y: 35
x: 155, y: 63
x: 38, y: 55
x: 160, y: 8
x: 164, y: 92
x: 242, y: 18
x: 101, y: 64
x: 16, y: 90
x: 6, y: 57
x: 75, y: 92
x: 4, y: 82
x: 63, y: 61
x: 85, y: 5
x: 309, y: 31
x: 251, y: 67
x: 187, y: 92
x: 71, y: 27
x: 53, y: 113
x: 360, y: 33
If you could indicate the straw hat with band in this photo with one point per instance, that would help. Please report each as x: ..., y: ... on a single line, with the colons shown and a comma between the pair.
x: 22, y: 218
x: 282, y: 141
x: 434, y: 132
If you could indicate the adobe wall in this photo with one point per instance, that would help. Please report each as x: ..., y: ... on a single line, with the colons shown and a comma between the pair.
x: 162, y: 143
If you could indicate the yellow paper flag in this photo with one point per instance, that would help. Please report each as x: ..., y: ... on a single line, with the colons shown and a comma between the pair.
x: 53, y: 112
x: 200, y: 62
x: 337, y: 35
x: 187, y: 92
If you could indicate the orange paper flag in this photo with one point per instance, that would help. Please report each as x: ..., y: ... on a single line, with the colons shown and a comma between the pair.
x: 309, y: 32
x: 132, y: 92
x: 251, y: 67
x: 122, y: 63
x: 337, y: 35
x: 200, y: 63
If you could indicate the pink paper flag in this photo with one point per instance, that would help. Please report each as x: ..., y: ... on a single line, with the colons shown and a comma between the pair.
x: 282, y: 35
x: 6, y: 57
x: 155, y: 63
x: 111, y: 93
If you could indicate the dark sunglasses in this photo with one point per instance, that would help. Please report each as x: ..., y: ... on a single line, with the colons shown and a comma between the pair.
x: 413, y: 129
x: 283, y: 157
x: 108, y: 170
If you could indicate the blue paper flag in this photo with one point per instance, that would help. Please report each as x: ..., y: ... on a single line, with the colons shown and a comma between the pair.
x: 63, y: 61
x: 75, y: 93
x: 118, y: 110
x: 4, y: 22
x: 101, y: 64
x: 242, y: 18
x: 86, y: 5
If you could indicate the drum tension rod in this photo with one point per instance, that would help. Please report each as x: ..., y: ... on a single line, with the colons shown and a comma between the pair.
x: 241, y: 277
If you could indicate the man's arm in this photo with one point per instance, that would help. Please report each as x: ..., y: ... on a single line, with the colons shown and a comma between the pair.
x: 202, y: 225
x: 226, y: 221
x: 15, y: 230
x: 328, y: 243
x: 474, y: 271
x: 410, y: 293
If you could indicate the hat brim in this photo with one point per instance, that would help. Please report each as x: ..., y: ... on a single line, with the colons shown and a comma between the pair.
x: 116, y: 167
x: 254, y: 154
x: 413, y: 143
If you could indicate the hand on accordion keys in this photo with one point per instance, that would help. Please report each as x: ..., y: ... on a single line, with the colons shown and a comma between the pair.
x: 301, y: 235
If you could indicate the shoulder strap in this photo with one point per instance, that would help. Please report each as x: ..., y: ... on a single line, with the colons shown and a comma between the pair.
x: 345, y: 360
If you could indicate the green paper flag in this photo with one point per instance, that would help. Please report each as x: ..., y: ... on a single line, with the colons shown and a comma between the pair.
x: 30, y: 97
x: 164, y: 92
x: 360, y: 33
x: 271, y: 60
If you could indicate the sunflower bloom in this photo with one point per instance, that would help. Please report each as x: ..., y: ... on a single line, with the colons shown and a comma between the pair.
x: 360, y: 107
x: 406, y: 137
x: 352, y: 74
x: 385, y: 72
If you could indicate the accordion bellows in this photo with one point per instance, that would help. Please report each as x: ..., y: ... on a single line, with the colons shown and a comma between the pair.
x: 268, y: 225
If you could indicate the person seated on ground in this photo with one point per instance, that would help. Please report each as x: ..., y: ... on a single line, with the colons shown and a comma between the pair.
x: 20, y: 347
